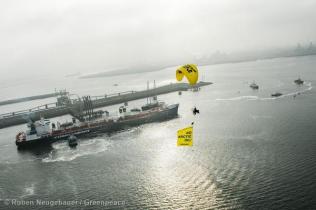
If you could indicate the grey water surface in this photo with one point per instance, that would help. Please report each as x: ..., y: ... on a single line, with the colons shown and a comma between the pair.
x: 250, y: 151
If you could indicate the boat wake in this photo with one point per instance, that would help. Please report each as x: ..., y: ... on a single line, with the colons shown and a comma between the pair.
x: 238, y: 98
x: 249, y: 98
x: 62, y: 152
x: 308, y: 88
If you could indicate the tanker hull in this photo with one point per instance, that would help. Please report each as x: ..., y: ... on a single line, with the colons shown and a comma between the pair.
x: 103, y: 127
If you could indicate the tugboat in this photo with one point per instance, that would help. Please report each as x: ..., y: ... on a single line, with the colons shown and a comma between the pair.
x: 254, y: 86
x: 72, y: 141
x: 277, y: 94
x: 44, y: 132
x: 299, y: 81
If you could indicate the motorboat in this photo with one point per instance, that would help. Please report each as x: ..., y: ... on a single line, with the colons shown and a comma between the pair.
x: 277, y: 94
x: 254, y: 86
x: 72, y: 141
x: 299, y: 81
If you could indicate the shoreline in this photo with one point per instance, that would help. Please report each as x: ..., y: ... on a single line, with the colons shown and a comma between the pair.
x: 123, y: 72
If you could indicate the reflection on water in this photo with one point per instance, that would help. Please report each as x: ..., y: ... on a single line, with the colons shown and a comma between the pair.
x: 62, y: 152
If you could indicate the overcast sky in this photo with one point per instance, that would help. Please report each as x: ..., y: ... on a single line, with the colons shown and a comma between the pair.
x: 88, y: 36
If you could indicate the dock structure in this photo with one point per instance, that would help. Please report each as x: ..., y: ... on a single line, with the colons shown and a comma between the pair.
x: 31, y: 98
x: 65, y: 105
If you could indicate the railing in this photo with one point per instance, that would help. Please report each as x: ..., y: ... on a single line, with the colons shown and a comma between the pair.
x: 53, y: 105
x: 26, y: 111
x: 113, y: 94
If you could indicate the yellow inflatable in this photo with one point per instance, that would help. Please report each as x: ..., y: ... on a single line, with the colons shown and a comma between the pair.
x: 190, y: 71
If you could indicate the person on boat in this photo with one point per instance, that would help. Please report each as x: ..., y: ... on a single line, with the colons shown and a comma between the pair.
x: 196, y: 111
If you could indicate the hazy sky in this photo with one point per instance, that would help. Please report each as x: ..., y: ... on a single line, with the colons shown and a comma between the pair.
x: 89, y: 36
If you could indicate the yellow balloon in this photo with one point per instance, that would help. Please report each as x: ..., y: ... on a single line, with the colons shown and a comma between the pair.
x: 190, y: 71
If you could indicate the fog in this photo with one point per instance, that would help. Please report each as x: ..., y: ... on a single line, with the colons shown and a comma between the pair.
x: 69, y: 36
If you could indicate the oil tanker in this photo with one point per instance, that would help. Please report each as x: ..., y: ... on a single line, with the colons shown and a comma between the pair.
x: 44, y: 132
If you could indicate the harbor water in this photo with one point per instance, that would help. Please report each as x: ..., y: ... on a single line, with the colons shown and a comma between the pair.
x: 250, y: 150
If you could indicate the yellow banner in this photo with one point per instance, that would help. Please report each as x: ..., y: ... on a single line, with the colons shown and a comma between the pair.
x: 185, y: 137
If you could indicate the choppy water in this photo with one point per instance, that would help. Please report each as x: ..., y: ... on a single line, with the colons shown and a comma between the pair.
x: 250, y: 151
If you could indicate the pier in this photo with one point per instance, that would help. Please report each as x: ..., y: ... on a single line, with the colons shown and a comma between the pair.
x: 29, y: 98
x: 65, y: 105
